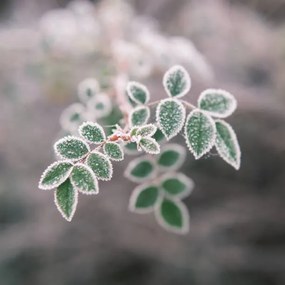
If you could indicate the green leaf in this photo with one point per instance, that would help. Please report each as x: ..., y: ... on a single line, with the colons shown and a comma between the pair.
x: 149, y: 145
x: 147, y: 130
x: 84, y: 180
x: 171, y: 157
x: 87, y: 89
x: 200, y: 133
x: 139, y: 116
x: 55, y: 175
x: 100, y: 106
x: 92, y: 132
x: 66, y: 198
x: 113, y: 151
x: 173, y: 216
x: 170, y: 116
x: 177, y: 185
x: 138, y: 92
x: 101, y: 165
x: 218, y: 103
x: 71, y: 148
x: 131, y: 148
x: 176, y: 81
x: 140, y: 169
x: 144, y: 198
x: 227, y: 144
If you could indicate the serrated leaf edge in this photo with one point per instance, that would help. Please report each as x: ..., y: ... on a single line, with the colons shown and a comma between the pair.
x: 112, y: 158
x: 92, y: 124
x: 43, y: 187
x: 187, y: 78
x: 181, y: 123
x: 185, y: 214
x: 211, y: 144
x: 235, y: 140
x: 68, y: 138
x: 154, y: 128
x: 109, y: 162
x: 96, y: 190
x: 150, y: 151
x: 225, y: 93
x: 74, y: 206
x: 141, y: 86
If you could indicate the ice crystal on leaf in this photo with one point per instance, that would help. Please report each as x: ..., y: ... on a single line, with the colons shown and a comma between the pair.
x: 170, y: 116
x: 92, y: 132
x: 138, y: 92
x: 200, y: 133
x: 113, y: 151
x: 139, y: 116
x: 149, y: 145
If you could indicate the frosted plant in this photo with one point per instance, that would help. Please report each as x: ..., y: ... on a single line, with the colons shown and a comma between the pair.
x: 101, y: 131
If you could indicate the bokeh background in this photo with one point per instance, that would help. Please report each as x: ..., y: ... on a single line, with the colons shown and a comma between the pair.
x: 237, y: 231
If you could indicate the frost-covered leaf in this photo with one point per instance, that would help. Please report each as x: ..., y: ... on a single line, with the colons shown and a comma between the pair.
x: 200, y: 133
x: 72, y: 117
x: 171, y: 157
x: 84, y: 179
x: 140, y: 169
x: 55, y: 175
x: 227, y: 144
x: 113, y: 151
x: 131, y: 148
x: 87, y: 89
x: 138, y: 92
x: 144, y: 198
x: 170, y: 116
x: 147, y: 130
x: 149, y: 145
x: 101, y: 165
x: 139, y: 116
x: 100, y: 106
x: 176, y: 81
x: 66, y: 198
x: 72, y: 148
x: 133, y: 131
x: 173, y: 216
x: 177, y: 185
x: 92, y: 132
x: 218, y: 103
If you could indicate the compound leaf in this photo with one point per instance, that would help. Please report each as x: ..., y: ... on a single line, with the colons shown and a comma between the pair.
x: 55, y: 175
x: 71, y: 148
x: 227, y: 144
x: 84, y: 180
x: 218, y: 103
x: 66, y: 198
x: 101, y: 165
x: 176, y: 81
x: 170, y: 116
x: 200, y: 133
x: 173, y: 216
x: 149, y: 145
x: 171, y: 157
x: 139, y: 116
x: 140, y: 169
x: 144, y: 198
x: 113, y: 151
x: 138, y: 92
x: 92, y: 132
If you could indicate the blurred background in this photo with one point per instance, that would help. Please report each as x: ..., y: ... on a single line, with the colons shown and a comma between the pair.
x: 237, y: 233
